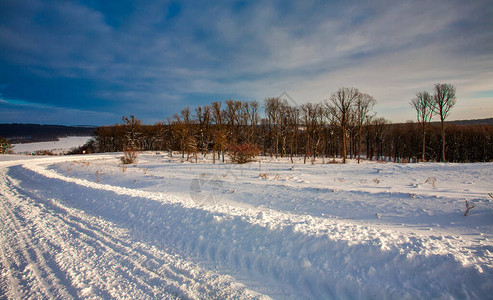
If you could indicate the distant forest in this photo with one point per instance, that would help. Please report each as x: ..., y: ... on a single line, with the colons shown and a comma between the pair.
x: 341, y: 127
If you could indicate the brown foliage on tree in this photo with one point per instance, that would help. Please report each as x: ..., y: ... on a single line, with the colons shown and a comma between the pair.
x: 242, y: 153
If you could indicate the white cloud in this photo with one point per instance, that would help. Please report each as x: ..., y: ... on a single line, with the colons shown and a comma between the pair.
x: 310, y: 49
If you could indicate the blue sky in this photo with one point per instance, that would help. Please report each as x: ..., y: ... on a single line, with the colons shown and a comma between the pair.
x: 91, y: 62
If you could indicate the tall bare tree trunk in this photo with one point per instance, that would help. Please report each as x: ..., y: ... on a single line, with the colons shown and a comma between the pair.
x: 359, y: 143
x: 344, y: 142
x: 423, y: 158
x: 443, y: 141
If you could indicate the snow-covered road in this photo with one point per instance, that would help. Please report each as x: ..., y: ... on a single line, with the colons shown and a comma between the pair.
x: 69, y: 237
x: 51, y: 250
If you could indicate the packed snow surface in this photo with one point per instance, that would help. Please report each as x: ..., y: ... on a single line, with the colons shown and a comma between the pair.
x: 63, y: 145
x: 87, y: 226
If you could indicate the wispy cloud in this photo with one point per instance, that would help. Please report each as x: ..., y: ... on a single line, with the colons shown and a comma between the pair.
x: 152, y: 58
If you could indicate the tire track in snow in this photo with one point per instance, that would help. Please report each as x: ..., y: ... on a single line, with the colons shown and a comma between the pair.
x: 84, y: 248
x: 149, y: 267
x: 10, y: 284
x: 24, y: 256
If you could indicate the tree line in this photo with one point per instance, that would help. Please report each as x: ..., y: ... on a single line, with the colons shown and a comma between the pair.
x: 342, y: 126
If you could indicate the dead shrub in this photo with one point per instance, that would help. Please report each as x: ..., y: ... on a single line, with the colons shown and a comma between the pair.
x: 242, y: 153
x: 129, y: 156
x: 432, y: 181
x: 469, y: 207
x: 44, y: 152
x: 264, y: 176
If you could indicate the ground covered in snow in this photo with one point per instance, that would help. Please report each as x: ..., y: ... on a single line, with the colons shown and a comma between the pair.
x: 63, y: 145
x: 87, y: 226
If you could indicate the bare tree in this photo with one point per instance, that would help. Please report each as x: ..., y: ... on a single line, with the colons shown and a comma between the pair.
x: 363, y: 105
x: 292, y: 124
x: 203, y: 116
x: 132, y: 128
x: 340, y: 105
x: 253, y: 120
x: 273, y: 107
x: 422, y: 103
x: 312, y: 121
x: 232, y: 114
x: 380, y: 126
x: 180, y: 132
x: 219, y: 133
x: 183, y: 129
x: 443, y: 100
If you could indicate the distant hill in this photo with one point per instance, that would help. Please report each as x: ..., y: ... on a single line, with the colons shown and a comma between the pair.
x: 29, y: 133
x: 488, y: 121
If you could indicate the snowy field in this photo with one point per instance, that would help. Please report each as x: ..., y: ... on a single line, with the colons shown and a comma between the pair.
x: 63, y: 145
x: 86, y: 226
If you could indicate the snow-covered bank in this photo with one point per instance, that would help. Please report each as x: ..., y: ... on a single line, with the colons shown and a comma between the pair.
x: 312, y: 231
x: 63, y: 145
